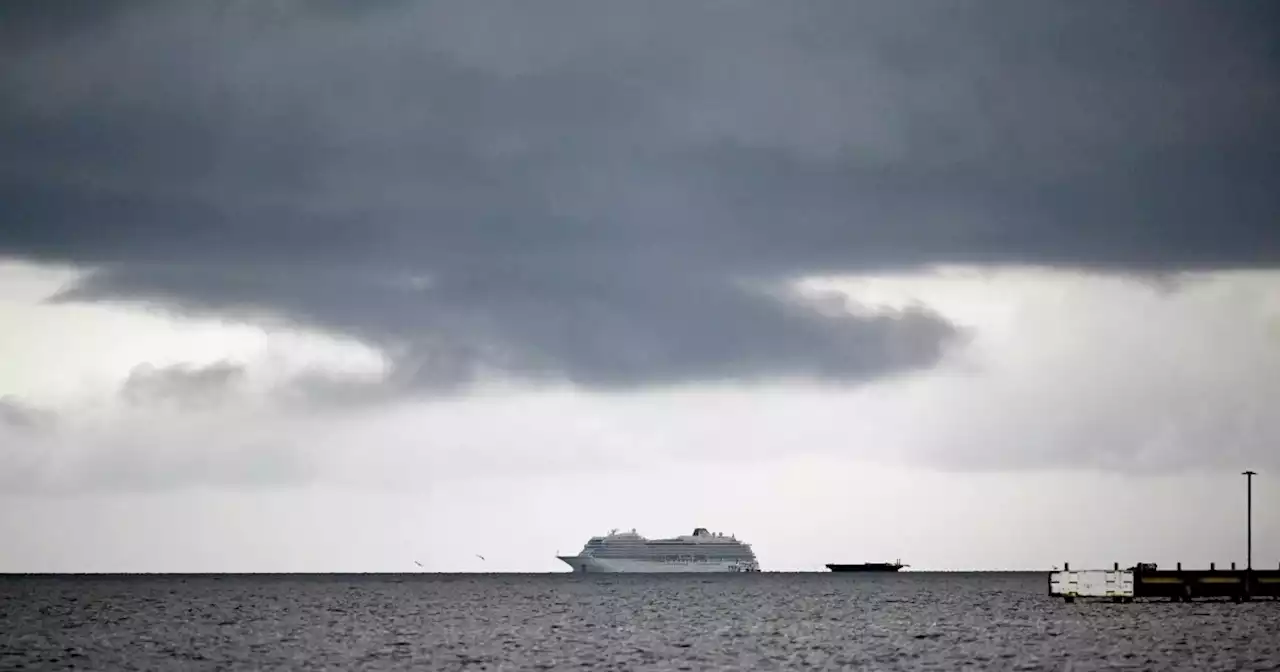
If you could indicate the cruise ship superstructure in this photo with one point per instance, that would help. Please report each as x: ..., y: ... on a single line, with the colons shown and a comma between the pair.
x: 701, y: 551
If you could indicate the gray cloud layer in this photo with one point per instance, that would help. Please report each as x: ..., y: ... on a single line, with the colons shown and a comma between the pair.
x: 614, y: 195
x: 185, y: 385
x: 19, y: 416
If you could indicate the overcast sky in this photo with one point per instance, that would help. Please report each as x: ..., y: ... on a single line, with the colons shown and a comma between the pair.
x: 341, y: 285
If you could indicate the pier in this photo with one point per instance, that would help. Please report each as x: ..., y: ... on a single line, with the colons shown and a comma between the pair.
x: 1146, y: 580
x: 1178, y: 585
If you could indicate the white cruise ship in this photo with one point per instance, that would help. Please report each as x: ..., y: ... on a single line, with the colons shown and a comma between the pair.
x: 701, y: 551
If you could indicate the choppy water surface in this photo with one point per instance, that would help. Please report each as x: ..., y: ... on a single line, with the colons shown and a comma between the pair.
x: 551, y: 622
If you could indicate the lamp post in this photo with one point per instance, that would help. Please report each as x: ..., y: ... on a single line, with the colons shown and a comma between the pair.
x: 1248, y: 476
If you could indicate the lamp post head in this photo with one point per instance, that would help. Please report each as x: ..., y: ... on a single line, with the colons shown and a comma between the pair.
x: 1248, y: 473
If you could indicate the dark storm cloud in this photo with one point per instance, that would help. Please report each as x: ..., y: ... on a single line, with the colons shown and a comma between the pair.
x: 183, y: 385
x: 614, y: 193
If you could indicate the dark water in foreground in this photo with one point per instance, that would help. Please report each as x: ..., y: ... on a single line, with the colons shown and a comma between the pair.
x: 908, y: 621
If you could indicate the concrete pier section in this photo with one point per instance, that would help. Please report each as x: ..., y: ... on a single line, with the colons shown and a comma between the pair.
x: 1145, y: 580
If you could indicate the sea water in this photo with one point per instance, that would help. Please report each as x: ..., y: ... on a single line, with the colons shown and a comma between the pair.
x: 907, y: 621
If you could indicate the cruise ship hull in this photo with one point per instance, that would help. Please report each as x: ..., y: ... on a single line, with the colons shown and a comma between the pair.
x: 589, y: 565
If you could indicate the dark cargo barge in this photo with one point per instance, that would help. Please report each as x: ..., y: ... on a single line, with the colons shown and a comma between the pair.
x: 867, y: 567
